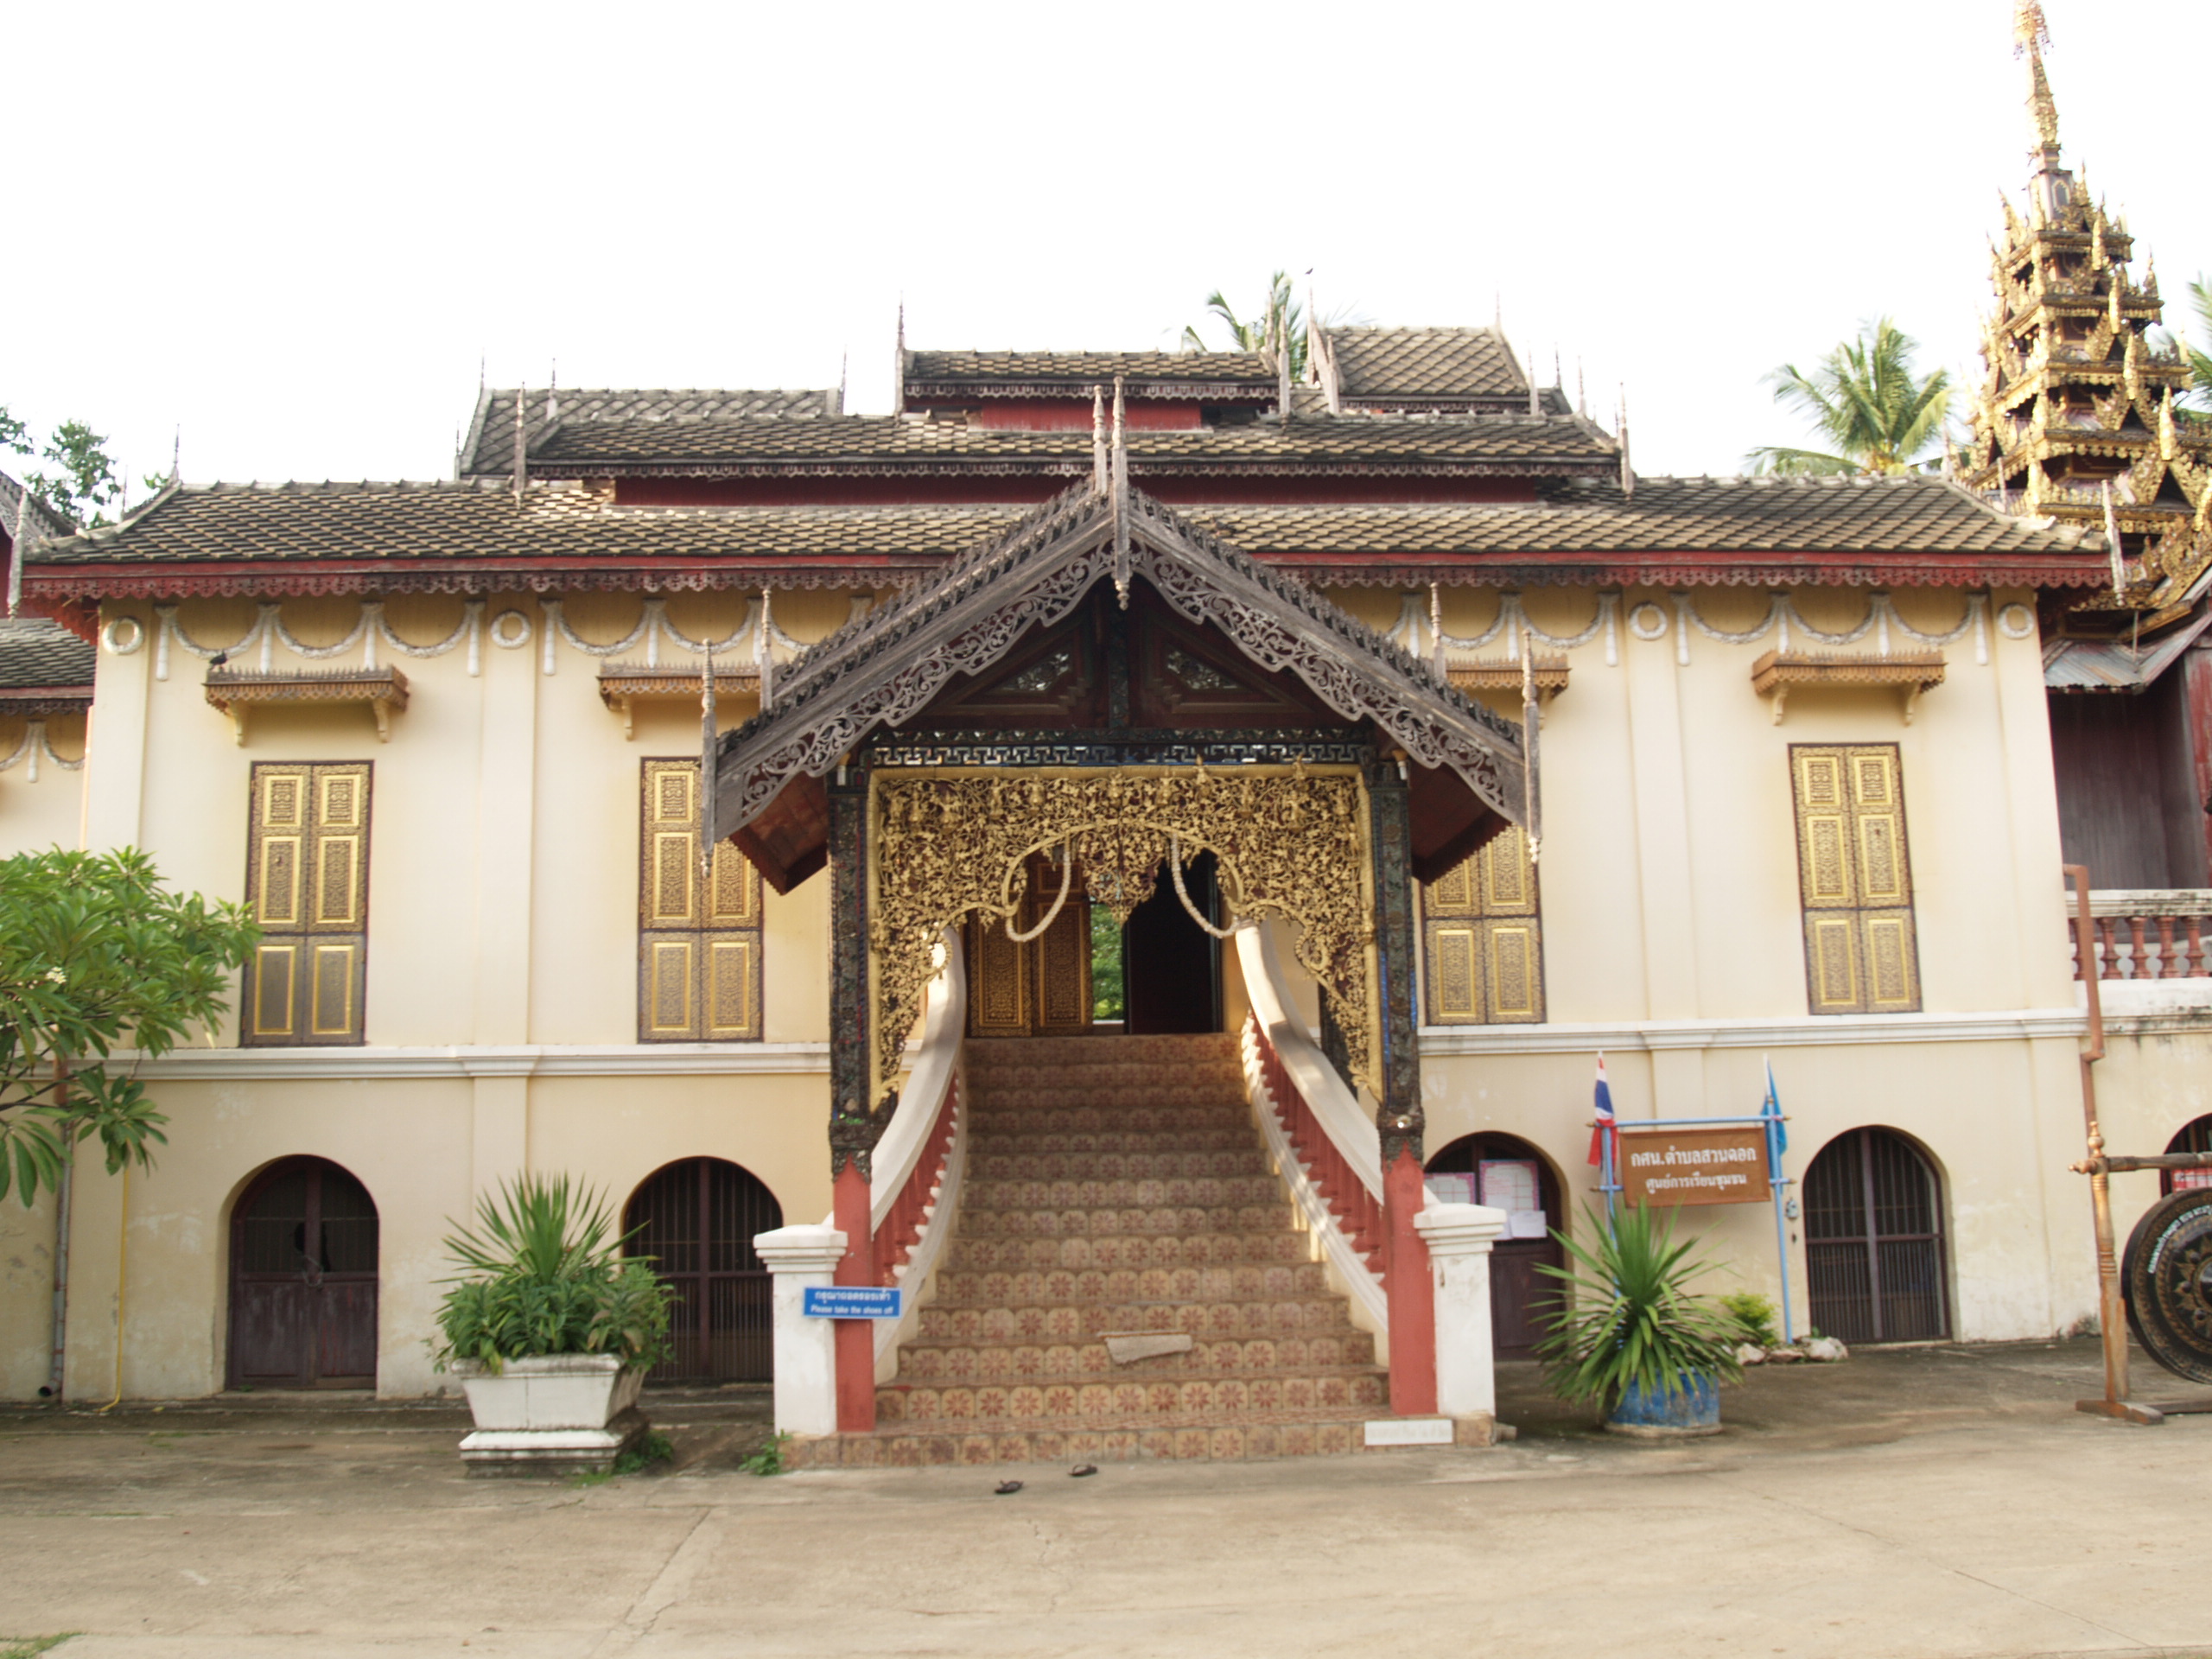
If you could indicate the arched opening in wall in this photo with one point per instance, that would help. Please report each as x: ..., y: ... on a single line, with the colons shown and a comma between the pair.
x: 696, y: 1218
x: 1874, y: 1240
x: 2195, y: 1136
x: 1508, y: 1174
x: 303, y: 1280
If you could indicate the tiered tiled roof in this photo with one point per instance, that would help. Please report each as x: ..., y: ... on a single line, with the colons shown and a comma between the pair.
x: 1518, y: 445
x: 473, y: 536
x: 45, y: 522
x: 1424, y: 363
x: 489, y: 449
x: 44, y: 667
x: 1237, y: 377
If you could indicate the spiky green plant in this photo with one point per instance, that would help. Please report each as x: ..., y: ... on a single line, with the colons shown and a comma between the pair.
x: 1864, y: 399
x: 542, y: 1273
x: 1628, y: 1317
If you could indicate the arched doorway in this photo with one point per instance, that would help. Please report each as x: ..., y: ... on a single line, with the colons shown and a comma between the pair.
x: 696, y: 1218
x: 303, y: 1280
x: 1874, y: 1240
x: 2194, y: 1136
x: 1505, y: 1172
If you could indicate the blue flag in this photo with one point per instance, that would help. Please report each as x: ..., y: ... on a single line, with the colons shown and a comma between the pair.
x: 1777, y: 1137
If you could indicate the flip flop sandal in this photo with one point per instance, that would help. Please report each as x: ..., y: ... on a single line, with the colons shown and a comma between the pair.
x: 1005, y: 1487
x: 1082, y: 1469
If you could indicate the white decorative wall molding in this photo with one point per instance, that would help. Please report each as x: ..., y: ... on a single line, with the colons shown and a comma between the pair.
x: 756, y: 638
x: 32, y: 744
x: 2012, y: 1025
x: 1416, y: 628
x: 374, y: 1065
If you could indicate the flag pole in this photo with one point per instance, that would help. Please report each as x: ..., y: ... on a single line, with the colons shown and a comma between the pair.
x: 1770, y: 1108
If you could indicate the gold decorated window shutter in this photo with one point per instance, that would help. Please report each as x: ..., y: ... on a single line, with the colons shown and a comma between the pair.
x: 1855, y: 879
x: 698, y: 953
x: 1482, y: 938
x: 308, y: 882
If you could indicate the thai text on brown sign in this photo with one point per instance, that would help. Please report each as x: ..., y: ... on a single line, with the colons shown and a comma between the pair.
x: 1677, y: 1167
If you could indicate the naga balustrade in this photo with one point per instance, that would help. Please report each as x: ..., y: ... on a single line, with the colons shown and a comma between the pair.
x: 1356, y: 1209
x: 2149, y: 933
x: 1324, y: 1145
x: 900, y: 1229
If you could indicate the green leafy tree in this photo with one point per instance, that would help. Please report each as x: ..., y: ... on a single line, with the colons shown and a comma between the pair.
x: 2200, y: 362
x: 85, y: 482
x: 1864, y: 398
x: 95, y: 951
x: 1280, y: 318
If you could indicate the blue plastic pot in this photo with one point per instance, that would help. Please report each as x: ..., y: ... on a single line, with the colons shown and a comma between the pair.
x: 1693, y: 1408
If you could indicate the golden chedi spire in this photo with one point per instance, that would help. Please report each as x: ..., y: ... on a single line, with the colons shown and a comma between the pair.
x: 2076, y: 398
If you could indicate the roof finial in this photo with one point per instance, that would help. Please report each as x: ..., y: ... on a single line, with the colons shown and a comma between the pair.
x: 844, y: 371
x: 2031, y: 40
x: 898, y: 376
x: 553, y: 391
x: 1535, y: 397
x: 522, y: 446
x: 176, y: 453
x: 1581, y: 391
x: 1121, y: 498
x: 1098, y: 439
x: 1628, y: 472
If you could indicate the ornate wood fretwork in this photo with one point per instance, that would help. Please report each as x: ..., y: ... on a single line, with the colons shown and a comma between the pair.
x: 883, y: 669
x: 854, y: 1129
x: 1289, y: 843
x: 1397, y: 1068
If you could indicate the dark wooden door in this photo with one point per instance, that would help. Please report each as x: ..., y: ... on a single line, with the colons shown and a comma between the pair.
x: 1172, y: 965
x: 696, y: 1219
x: 1521, y: 1294
x: 303, y: 1280
x: 1874, y: 1241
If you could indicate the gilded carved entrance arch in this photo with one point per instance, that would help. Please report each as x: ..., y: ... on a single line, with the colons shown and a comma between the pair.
x: 1290, y: 841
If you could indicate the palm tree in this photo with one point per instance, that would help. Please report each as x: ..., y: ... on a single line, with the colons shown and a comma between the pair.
x: 1283, y: 319
x: 1864, y: 399
x: 2200, y: 363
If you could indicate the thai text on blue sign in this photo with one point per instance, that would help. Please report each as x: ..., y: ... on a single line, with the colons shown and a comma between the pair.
x: 854, y: 1301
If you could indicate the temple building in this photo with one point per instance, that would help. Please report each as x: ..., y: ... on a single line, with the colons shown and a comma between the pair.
x: 1166, y: 849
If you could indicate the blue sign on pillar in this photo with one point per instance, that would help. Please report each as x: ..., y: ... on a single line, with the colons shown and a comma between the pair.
x: 853, y: 1301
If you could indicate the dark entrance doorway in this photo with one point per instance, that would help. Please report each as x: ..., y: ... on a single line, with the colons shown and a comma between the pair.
x: 696, y: 1219
x: 1171, y: 966
x: 1874, y: 1241
x: 303, y: 1280
x: 1520, y: 1296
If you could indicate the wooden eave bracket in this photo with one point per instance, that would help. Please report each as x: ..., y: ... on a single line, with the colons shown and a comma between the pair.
x: 1777, y: 672
x: 622, y: 686
x: 1503, y: 674
x: 234, y: 690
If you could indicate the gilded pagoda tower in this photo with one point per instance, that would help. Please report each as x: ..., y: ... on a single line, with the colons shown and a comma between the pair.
x: 2076, y: 419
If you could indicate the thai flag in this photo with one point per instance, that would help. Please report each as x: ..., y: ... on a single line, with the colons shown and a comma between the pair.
x: 1604, y: 1125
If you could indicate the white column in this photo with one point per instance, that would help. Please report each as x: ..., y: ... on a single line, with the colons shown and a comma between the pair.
x: 1460, y: 1237
x: 806, y: 1350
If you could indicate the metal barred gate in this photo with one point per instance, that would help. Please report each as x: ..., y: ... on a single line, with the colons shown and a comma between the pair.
x: 1874, y: 1241
x: 696, y: 1218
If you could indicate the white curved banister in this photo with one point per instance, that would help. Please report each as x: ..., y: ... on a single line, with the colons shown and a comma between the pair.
x: 936, y: 1059
x: 1351, y: 1129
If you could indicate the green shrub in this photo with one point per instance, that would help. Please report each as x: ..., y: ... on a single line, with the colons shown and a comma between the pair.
x: 1754, y: 1317
x: 543, y: 1275
x: 1631, y: 1318
x: 769, y: 1459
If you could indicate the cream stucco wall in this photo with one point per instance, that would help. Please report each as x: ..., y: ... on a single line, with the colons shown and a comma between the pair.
x: 501, y: 1017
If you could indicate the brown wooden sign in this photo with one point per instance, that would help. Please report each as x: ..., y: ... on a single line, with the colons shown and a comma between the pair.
x: 1680, y: 1167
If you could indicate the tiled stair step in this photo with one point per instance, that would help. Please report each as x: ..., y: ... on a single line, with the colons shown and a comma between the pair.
x: 1213, y: 1320
x: 1179, y: 1221
x: 1011, y: 1404
x: 1251, y: 1282
x: 1176, y: 1163
x: 1236, y: 1137
x: 1206, y: 1192
x: 1218, y: 1437
x: 1086, y: 1116
x: 938, y: 1361
x: 1124, y: 1252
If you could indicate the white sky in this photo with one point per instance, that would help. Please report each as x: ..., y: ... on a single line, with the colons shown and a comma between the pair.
x: 294, y: 230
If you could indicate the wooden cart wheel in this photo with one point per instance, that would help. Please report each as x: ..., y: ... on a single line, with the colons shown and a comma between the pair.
x: 2166, y: 1275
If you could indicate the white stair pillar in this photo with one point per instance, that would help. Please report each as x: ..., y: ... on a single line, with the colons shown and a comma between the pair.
x: 1460, y: 1237
x: 806, y: 1349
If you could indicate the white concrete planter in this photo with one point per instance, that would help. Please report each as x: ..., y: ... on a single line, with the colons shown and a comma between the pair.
x: 551, y: 1416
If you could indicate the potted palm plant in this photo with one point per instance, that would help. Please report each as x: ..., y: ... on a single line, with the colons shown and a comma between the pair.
x: 1631, y: 1340
x: 550, y: 1329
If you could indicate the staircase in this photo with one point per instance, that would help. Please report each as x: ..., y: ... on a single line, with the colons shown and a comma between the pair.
x: 1116, y: 1186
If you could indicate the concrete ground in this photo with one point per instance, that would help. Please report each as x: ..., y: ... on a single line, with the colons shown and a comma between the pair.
x: 1916, y: 1503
